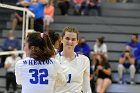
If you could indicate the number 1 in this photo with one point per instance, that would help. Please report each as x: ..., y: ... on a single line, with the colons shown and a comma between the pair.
x: 69, y: 80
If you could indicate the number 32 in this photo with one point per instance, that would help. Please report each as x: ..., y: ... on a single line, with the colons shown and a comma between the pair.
x: 39, y: 76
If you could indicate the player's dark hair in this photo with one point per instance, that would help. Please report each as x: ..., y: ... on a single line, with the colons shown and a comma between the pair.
x: 101, y: 40
x: 135, y: 35
x: 104, y: 60
x: 40, y: 46
x: 53, y: 36
x: 61, y: 47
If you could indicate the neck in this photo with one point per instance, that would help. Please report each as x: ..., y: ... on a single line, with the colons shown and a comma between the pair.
x: 68, y: 54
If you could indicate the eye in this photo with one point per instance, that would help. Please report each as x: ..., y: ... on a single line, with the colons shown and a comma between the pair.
x: 24, y: 44
x: 73, y: 39
x: 67, y: 38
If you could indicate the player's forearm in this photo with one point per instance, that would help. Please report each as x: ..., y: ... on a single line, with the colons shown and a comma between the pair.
x: 43, y: 1
x: 132, y: 60
x: 86, y: 83
x: 24, y: 3
x: 7, y: 66
x: 17, y: 16
x: 122, y: 60
x: 60, y: 80
x: 107, y: 71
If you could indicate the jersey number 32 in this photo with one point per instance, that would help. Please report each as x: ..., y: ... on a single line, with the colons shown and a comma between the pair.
x: 39, y: 76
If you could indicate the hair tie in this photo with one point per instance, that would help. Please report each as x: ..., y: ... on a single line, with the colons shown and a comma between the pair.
x: 41, y: 34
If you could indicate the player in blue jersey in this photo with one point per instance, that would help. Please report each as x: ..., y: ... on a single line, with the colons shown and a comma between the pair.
x: 135, y: 50
x: 39, y: 72
x: 37, y: 7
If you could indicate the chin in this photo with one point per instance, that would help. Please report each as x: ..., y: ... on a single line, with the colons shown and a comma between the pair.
x: 69, y: 47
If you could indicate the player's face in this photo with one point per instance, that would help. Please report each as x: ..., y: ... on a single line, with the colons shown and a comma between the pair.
x: 69, y: 40
x: 134, y: 38
x: 97, y: 41
x: 57, y: 44
x: 26, y: 49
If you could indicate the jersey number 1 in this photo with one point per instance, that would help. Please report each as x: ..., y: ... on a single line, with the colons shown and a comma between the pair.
x: 69, y: 80
x: 39, y: 76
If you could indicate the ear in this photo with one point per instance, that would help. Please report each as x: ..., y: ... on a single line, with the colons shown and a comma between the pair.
x: 32, y: 48
x: 77, y: 42
x: 61, y: 38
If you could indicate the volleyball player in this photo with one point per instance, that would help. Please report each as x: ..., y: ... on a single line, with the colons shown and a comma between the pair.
x: 55, y: 39
x: 39, y: 72
x: 76, y: 66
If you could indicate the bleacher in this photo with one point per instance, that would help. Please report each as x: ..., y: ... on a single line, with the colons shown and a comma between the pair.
x: 128, y: 10
x: 117, y: 24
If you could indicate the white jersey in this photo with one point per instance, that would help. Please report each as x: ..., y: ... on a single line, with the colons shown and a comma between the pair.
x: 101, y: 49
x: 78, y: 73
x: 12, y: 61
x: 39, y: 76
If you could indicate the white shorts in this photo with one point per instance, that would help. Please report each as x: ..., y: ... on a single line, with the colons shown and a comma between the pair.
x: 48, y: 20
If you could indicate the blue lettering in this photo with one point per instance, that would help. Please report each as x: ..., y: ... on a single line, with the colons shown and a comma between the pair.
x: 35, y: 62
x: 25, y: 62
x: 47, y: 62
x: 51, y: 62
x: 30, y: 62
x: 39, y: 62
x: 39, y: 76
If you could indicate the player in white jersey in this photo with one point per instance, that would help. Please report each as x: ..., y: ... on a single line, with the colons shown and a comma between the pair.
x: 9, y: 65
x: 39, y: 72
x: 56, y: 40
x: 77, y: 65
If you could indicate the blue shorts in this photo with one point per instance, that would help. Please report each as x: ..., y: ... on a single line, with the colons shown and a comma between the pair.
x: 126, y: 65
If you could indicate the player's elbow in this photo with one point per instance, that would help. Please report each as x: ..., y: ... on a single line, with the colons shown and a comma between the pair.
x: 61, y: 81
x: 19, y: 83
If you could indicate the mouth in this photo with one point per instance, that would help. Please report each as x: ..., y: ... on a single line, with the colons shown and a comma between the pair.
x: 69, y: 45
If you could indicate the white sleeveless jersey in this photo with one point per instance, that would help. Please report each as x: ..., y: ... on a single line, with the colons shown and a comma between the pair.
x: 39, y: 76
x: 78, y: 73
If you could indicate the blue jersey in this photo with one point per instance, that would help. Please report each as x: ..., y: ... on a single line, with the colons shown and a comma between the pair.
x: 38, y: 10
x: 135, y: 50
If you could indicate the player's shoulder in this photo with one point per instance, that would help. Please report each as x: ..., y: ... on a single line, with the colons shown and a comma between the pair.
x: 9, y: 57
x: 54, y: 60
x: 21, y: 61
x: 83, y: 57
x: 58, y: 55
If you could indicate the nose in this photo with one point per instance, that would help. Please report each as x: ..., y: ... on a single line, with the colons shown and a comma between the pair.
x: 70, y: 41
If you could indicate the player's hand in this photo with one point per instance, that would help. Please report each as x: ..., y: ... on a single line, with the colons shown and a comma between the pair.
x: 92, y: 4
x: 34, y: 2
x: 127, y: 55
x: 20, y: 19
x: 8, y: 65
x: 99, y: 67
